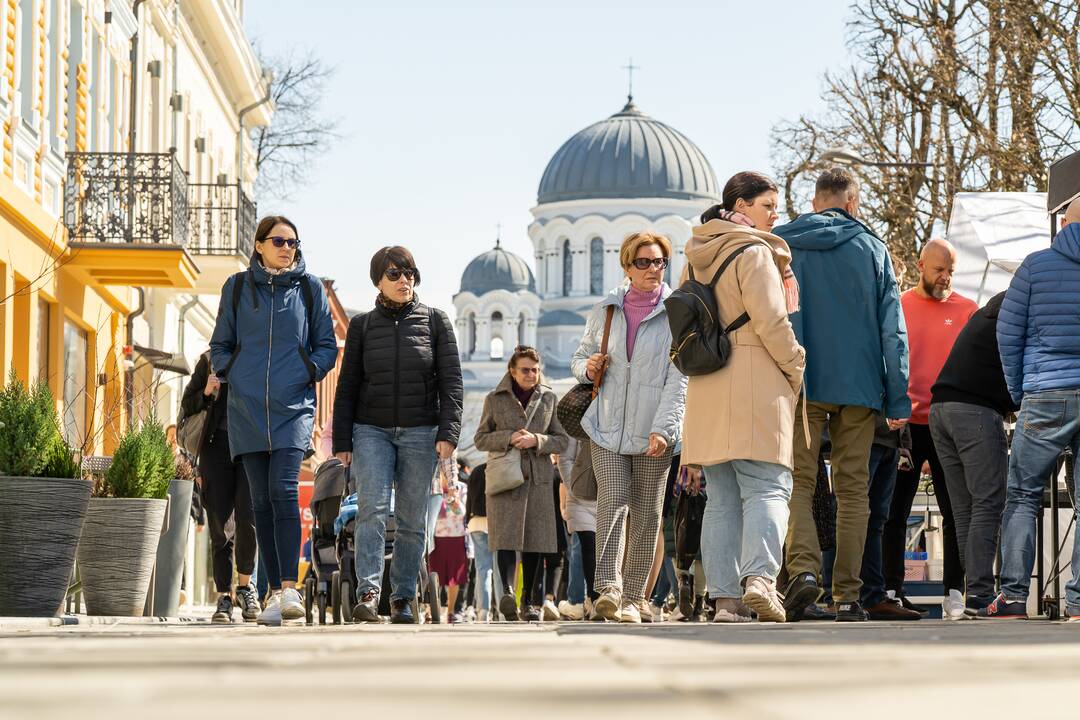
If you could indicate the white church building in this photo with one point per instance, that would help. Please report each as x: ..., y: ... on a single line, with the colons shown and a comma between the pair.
x: 624, y: 174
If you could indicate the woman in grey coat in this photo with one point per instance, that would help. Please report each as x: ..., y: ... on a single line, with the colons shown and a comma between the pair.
x: 634, y: 424
x: 522, y: 519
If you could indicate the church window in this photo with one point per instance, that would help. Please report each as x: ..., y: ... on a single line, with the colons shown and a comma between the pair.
x: 596, y: 266
x: 567, y: 269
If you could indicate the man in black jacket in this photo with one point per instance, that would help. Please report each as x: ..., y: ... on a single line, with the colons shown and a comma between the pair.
x: 970, y: 401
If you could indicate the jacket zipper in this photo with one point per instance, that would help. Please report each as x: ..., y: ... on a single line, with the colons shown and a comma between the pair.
x: 397, y: 374
x: 269, y: 355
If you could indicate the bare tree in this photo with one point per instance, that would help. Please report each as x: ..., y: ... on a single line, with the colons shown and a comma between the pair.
x: 286, y: 150
x: 984, y: 92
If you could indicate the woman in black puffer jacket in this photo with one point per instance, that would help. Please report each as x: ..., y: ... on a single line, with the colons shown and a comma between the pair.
x: 396, y: 412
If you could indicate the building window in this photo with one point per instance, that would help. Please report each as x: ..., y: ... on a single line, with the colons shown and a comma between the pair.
x: 43, y: 340
x: 596, y: 266
x: 667, y: 271
x: 496, y: 336
x: 521, y: 329
x: 26, y: 23
x: 75, y: 347
x: 472, y: 334
x: 76, y: 55
x: 567, y: 269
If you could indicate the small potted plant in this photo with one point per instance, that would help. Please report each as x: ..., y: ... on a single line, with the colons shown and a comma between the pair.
x: 123, y: 523
x: 43, y: 502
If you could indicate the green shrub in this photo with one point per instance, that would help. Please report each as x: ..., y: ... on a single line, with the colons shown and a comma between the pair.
x: 142, y: 464
x: 28, y: 424
x: 60, y: 461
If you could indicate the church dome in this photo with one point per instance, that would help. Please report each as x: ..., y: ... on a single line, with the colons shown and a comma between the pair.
x: 497, y: 269
x: 628, y: 155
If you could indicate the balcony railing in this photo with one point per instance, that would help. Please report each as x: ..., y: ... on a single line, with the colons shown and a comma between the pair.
x: 221, y: 220
x: 125, y: 198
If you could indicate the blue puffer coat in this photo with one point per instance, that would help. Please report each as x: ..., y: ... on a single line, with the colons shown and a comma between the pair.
x: 1038, y: 327
x: 271, y: 359
x: 850, y: 322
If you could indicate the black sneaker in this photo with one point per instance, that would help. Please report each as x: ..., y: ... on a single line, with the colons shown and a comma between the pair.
x: 851, y: 612
x: 401, y: 612
x: 530, y: 614
x: 248, y: 600
x: 1003, y: 609
x: 686, y: 596
x: 814, y: 611
x: 508, y: 607
x: 223, y: 614
x: 367, y: 610
x: 801, y: 592
x: 923, y: 611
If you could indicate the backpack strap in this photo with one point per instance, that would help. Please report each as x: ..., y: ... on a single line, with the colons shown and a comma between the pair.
x: 745, y: 317
x: 308, y: 298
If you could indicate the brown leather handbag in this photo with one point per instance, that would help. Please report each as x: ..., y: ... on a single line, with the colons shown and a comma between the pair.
x: 577, y: 399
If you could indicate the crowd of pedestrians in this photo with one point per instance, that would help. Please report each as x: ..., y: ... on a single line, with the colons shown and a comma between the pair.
x: 781, y: 468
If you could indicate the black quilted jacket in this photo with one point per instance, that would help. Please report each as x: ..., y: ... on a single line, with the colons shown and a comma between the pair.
x: 399, y: 371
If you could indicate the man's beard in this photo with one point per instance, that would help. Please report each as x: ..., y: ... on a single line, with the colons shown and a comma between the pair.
x: 935, y: 291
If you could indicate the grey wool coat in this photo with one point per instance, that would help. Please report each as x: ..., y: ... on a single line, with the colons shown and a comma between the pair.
x: 524, y: 518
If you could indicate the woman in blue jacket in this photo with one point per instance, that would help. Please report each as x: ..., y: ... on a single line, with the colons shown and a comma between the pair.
x: 274, y: 340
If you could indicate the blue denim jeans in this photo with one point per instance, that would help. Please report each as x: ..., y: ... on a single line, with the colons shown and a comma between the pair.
x: 483, y: 558
x: 575, y: 585
x: 883, y: 463
x: 745, y: 522
x: 272, y: 479
x: 384, y: 461
x: 665, y: 582
x: 1048, y: 423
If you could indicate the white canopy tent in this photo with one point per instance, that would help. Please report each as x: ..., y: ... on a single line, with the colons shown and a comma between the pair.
x: 993, y: 233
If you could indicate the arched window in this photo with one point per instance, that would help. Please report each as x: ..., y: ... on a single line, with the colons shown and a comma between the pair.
x: 496, y: 336
x: 567, y: 268
x: 667, y: 272
x: 521, y: 329
x: 496, y: 348
x: 472, y: 334
x: 596, y: 266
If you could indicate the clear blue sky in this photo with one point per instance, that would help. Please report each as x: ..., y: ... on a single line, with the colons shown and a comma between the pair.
x: 450, y: 111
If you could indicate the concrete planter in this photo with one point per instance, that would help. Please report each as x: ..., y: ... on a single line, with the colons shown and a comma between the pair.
x: 171, y: 550
x: 41, y: 520
x: 117, y: 553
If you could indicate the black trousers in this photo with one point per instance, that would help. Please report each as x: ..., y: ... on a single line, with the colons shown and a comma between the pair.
x: 895, y: 533
x: 227, y: 500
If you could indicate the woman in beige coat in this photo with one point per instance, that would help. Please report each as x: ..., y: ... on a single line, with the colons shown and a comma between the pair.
x: 740, y: 419
x: 520, y: 413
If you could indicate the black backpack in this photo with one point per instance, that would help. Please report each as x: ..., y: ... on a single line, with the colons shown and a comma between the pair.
x: 699, y: 344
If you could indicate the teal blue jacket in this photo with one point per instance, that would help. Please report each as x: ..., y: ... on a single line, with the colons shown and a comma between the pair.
x: 850, y: 320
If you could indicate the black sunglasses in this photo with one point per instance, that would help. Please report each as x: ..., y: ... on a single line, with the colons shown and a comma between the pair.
x: 279, y: 241
x: 394, y: 274
x: 644, y: 263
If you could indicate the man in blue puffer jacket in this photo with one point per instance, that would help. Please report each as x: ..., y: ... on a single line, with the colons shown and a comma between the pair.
x: 1038, y: 333
x: 856, y: 366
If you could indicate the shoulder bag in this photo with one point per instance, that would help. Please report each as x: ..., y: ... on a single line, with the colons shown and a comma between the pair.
x: 504, y: 467
x: 577, y: 399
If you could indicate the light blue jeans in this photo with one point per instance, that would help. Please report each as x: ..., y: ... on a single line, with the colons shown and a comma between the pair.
x: 1048, y: 423
x: 745, y: 522
x: 483, y: 557
x: 401, y: 460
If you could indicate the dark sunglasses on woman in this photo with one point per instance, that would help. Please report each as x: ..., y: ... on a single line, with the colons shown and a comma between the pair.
x: 279, y: 241
x: 644, y: 263
x: 394, y: 274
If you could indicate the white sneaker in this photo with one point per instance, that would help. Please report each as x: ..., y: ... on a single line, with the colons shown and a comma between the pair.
x: 571, y: 611
x: 608, y: 605
x: 952, y: 607
x: 630, y: 613
x: 657, y: 612
x: 730, y: 610
x: 760, y: 596
x: 482, y: 615
x: 549, y: 612
x: 271, y: 614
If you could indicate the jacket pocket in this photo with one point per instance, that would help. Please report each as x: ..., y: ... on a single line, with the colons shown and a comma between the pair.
x: 307, y: 363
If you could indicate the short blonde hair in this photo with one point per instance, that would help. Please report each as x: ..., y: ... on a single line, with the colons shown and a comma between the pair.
x: 638, y: 240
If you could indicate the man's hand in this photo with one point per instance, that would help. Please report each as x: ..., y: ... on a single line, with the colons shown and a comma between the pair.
x: 657, y: 445
x: 896, y: 423
x: 594, y: 365
x: 444, y: 449
x: 344, y: 457
x: 523, y: 439
x: 212, y: 385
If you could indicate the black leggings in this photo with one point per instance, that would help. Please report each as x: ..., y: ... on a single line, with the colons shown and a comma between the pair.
x: 587, y: 541
x: 227, y: 501
x: 532, y: 569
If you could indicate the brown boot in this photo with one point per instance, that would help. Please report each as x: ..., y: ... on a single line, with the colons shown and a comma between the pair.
x: 891, y: 610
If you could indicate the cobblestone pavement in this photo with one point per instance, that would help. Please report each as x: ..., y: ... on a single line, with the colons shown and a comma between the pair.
x: 805, y: 670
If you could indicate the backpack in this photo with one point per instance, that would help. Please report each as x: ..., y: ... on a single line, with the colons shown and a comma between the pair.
x: 191, y: 429
x: 699, y: 344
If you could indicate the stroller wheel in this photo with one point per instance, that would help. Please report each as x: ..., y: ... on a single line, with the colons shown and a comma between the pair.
x: 345, y: 601
x: 335, y: 597
x: 433, y: 599
x: 321, y: 600
x: 309, y: 597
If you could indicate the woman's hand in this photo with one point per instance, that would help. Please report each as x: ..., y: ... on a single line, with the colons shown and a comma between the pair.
x: 594, y: 365
x: 444, y: 449
x: 344, y: 457
x: 523, y: 439
x: 657, y: 445
x: 693, y: 478
x: 212, y: 385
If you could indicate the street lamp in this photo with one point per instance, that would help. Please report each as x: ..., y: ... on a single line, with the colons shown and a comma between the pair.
x: 849, y: 156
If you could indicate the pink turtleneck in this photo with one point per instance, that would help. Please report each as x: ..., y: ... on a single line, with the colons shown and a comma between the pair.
x: 636, y: 306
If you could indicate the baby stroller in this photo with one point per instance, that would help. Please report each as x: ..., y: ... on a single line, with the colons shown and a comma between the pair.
x: 323, y: 586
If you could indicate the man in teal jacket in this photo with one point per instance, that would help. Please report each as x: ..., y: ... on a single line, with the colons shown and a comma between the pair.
x: 853, y: 330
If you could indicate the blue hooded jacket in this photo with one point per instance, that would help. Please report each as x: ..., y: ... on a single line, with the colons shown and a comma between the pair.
x: 1038, y: 328
x: 850, y: 321
x: 270, y: 358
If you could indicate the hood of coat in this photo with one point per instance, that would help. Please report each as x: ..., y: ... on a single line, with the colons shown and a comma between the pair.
x: 821, y: 231
x: 1067, y: 242
x: 617, y: 295
x: 717, y: 236
x: 291, y: 276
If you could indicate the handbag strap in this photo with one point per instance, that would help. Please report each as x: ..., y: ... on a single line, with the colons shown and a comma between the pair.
x: 603, y: 351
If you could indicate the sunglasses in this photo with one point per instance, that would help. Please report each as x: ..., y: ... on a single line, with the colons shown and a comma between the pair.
x: 279, y: 241
x: 528, y: 370
x: 644, y: 263
x: 394, y: 274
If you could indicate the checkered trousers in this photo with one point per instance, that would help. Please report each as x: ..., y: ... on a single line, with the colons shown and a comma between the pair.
x: 627, y: 487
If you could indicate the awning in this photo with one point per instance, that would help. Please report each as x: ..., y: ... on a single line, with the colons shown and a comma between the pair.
x: 162, y: 360
x: 1064, y: 185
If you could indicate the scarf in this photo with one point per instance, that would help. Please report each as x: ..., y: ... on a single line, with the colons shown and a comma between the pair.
x: 391, y: 305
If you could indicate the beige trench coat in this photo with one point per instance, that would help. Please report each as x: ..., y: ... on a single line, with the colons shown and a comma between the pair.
x: 524, y: 518
x: 745, y: 411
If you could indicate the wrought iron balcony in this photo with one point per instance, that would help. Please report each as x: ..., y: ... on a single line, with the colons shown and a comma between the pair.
x: 134, y: 198
x: 222, y: 220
